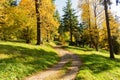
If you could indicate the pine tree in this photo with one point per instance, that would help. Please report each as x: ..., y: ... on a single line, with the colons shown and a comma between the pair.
x: 70, y: 21
x: 57, y: 16
x: 58, y: 19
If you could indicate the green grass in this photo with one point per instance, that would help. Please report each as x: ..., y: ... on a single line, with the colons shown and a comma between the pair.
x: 18, y: 60
x: 96, y: 65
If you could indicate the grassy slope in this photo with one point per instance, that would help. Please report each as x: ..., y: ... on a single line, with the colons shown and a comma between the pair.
x: 97, y: 65
x: 18, y: 60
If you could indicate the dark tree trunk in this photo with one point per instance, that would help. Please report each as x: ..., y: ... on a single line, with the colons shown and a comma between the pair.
x: 28, y: 41
x: 4, y: 38
x: 108, y: 31
x: 71, y: 34
x: 37, y: 4
x: 70, y: 27
x: 47, y: 36
x: 96, y: 47
x: 83, y: 44
x: 27, y: 36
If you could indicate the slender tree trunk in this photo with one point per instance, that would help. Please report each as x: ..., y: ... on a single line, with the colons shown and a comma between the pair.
x: 83, y: 44
x: 89, y: 24
x: 27, y: 36
x: 108, y: 31
x: 4, y: 38
x: 96, y: 46
x: 96, y: 29
x: 70, y: 26
x: 37, y: 4
x: 71, y: 34
x: 47, y: 36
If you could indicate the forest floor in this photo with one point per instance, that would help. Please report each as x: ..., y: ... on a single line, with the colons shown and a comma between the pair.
x: 66, y: 69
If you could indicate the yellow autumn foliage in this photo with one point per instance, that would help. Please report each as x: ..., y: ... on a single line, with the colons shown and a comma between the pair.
x: 24, y: 16
x: 49, y: 24
x: 47, y: 9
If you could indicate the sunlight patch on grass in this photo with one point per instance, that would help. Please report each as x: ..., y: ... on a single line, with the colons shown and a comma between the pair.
x: 3, y: 56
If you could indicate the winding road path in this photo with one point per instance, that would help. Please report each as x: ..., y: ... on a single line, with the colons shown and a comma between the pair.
x: 57, y: 72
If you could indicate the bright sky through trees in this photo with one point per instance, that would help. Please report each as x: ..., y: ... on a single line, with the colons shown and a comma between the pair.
x: 115, y: 9
x: 18, y: 1
x: 61, y: 3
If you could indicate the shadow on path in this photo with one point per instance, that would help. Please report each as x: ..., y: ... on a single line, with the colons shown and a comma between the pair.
x: 54, y: 73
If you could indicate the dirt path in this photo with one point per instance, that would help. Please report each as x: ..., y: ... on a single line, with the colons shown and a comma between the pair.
x: 66, y: 69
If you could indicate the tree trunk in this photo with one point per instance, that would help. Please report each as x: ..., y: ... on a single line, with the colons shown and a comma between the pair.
x: 47, y: 36
x: 37, y: 4
x: 89, y: 24
x: 83, y: 44
x: 96, y: 41
x: 71, y: 41
x: 28, y: 41
x: 96, y: 47
x: 108, y: 31
x: 27, y: 35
